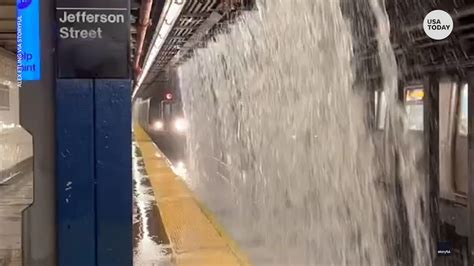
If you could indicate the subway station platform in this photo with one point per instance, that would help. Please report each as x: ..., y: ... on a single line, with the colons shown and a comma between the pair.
x: 15, y: 195
x: 180, y: 230
x: 194, y: 235
x: 111, y: 96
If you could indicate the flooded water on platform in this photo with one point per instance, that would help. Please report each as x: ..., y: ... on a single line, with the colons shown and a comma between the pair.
x: 279, y: 146
x: 151, y: 244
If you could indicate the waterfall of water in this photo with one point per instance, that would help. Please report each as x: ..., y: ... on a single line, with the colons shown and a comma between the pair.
x: 278, y: 144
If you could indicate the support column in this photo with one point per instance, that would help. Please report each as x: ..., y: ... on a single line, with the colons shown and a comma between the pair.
x: 113, y: 168
x: 470, y: 117
x: 431, y: 131
x: 37, y: 115
x: 75, y: 173
x: 94, y: 172
x: 93, y: 132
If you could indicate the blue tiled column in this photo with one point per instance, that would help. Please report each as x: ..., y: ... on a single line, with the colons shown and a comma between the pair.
x: 113, y: 172
x: 75, y: 173
x: 94, y: 172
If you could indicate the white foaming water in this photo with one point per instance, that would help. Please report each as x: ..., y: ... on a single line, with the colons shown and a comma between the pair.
x: 146, y: 251
x: 278, y: 144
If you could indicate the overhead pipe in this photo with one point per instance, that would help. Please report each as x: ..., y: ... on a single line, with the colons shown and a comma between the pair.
x: 142, y: 26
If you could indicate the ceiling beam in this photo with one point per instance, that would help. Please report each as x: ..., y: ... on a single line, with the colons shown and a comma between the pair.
x: 7, y: 36
x: 7, y: 52
x: 7, y: 42
x: 7, y: 2
x: 198, y: 36
x: 196, y: 15
x: 8, y: 12
x: 8, y: 26
x: 183, y: 28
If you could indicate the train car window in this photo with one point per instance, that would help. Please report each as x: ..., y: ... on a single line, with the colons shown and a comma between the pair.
x: 414, y: 107
x: 413, y: 102
x: 462, y: 122
x: 415, y: 117
x: 4, y: 97
x: 167, y: 111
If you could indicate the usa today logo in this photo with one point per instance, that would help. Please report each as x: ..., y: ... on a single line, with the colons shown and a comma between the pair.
x: 438, y: 24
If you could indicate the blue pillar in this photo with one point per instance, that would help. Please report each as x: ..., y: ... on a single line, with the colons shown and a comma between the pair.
x: 113, y: 172
x: 94, y: 172
x: 75, y: 173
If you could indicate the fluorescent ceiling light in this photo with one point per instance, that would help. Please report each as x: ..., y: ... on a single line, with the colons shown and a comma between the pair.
x: 171, y: 15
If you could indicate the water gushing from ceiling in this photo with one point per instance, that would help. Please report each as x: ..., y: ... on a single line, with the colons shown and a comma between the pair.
x: 280, y: 147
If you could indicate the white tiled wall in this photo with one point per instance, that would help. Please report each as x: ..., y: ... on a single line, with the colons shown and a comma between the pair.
x: 15, y: 142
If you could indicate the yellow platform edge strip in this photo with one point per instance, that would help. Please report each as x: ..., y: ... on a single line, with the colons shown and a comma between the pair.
x: 211, y: 258
x: 222, y: 232
x: 233, y: 246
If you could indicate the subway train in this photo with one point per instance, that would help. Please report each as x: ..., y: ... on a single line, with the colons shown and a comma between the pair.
x: 435, y: 79
x: 163, y: 118
x: 169, y: 117
x: 445, y: 159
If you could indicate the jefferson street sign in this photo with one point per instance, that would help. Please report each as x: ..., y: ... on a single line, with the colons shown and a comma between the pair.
x: 93, y: 38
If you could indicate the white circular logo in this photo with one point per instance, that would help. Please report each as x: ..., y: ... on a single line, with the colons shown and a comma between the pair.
x: 438, y: 24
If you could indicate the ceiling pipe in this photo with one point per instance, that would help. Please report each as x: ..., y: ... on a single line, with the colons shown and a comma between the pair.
x: 142, y: 26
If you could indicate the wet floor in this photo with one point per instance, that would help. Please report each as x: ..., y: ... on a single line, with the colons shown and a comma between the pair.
x: 151, y: 244
x: 173, y: 146
x: 15, y: 196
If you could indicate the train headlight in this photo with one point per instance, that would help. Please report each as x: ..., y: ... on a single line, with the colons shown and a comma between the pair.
x: 158, y: 125
x: 181, y: 125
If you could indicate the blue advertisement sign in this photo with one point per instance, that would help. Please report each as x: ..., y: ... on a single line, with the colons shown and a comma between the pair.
x: 28, y: 40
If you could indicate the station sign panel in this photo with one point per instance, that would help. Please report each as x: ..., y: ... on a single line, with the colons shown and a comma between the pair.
x: 28, y: 41
x: 93, y: 38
